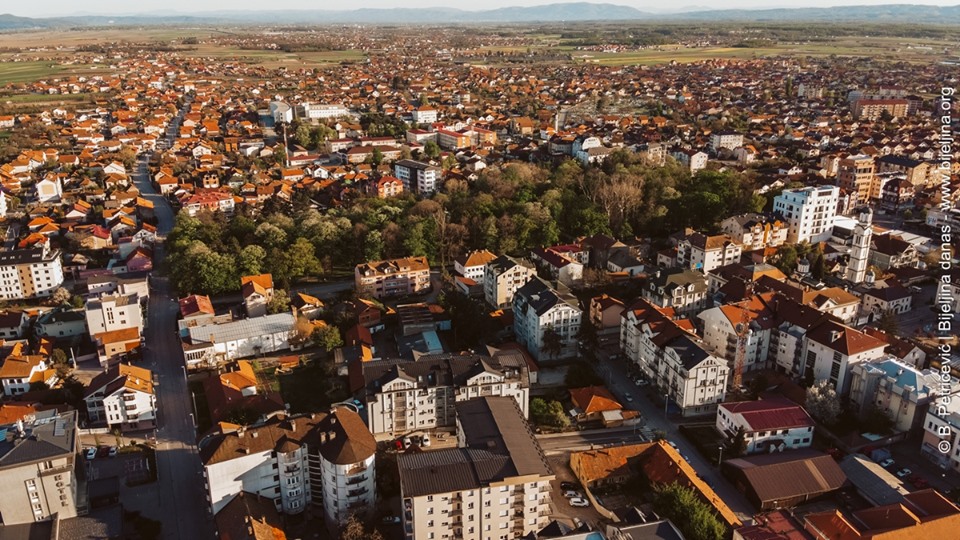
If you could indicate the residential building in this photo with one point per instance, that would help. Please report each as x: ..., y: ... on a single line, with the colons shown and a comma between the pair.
x: 113, y: 312
x: 502, y: 277
x: 323, y: 460
x: 668, y: 353
x: 857, y: 174
x: 257, y: 293
x: 539, y: 312
x: 595, y: 404
x: 680, y: 289
x: 899, y: 390
x: 892, y: 251
x: 19, y: 371
x: 731, y: 140
x: 13, y: 324
x: 705, y: 253
x: 394, y: 277
x: 605, y: 314
x: 747, y: 324
x: 769, y: 425
x: 30, y: 273
x: 809, y: 212
x: 941, y: 430
x: 403, y: 396
x: 873, y: 109
x: 691, y: 159
x: 885, y: 297
x: 281, y: 112
x: 494, y: 485
x: 417, y: 177
x: 424, y: 114
x: 756, y: 231
x: 249, y: 517
x: 38, y: 464
x: 388, y: 186
x: 915, y: 171
x: 832, y: 350
x: 323, y: 110
x: 452, y: 140
x: 221, y: 341
x: 472, y: 266
x: 812, y: 474
x: 921, y: 514
x: 123, y: 397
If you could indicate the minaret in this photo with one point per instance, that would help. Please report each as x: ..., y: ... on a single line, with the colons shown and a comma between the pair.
x: 860, y: 248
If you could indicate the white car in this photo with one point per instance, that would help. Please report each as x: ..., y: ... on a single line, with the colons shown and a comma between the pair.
x: 572, y: 495
x: 579, y: 502
x: 91, y: 453
x: 903, y: 473
x: 886, y: 463
x: 425, y: 441
x: 628, y: 397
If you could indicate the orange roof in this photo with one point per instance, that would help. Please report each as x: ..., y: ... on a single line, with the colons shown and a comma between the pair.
x: 256, y: 284
x: 243, y: 377
x: 594, y: 399
x: 119, y: 336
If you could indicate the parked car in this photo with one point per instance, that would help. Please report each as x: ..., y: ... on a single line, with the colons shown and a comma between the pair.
x: 569, y: 486
x: 112, y: 452
x: 628, y: 397
x: 358, y: 404
x: 425, y: 441
x: 572, y: 494
x: 399, y: 444
x: 903, y: 473
x: 579, y: 503
x: 887, y: 463
x: 407, y: 442
x: 391, y: 520
x: 674, y: 445
x: 920, y: 483
x: 90, y: 453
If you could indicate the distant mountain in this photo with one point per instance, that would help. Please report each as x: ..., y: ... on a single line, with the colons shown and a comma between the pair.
x: 565, y: 12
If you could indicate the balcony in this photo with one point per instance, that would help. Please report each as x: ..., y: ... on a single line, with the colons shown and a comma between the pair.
x: 356, y: 480
x: 357, y: 492
x: 356, y: 470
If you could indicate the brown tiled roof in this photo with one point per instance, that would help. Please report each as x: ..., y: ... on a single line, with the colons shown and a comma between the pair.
x: 843, y: 339
x: 250, y: 517
x: 594, y: 399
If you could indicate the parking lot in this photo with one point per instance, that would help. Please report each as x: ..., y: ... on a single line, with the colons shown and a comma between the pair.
x: 138, y: 491
x: 560, y: 508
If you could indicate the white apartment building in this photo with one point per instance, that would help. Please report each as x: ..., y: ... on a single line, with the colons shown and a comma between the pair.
x: 393, y: 277
x: 495, y: 485
x: 123, y: 397
x: 705, y: 253
x: 673, y: 358
x: 809, y: 212
x: 113, y: 312
x: 725, y: 326
x: 39, y: 471
x: 417, y: 177
x: 941, y: 432
x: 403, y: 396
x: 832, y: 350
x: 323, y: 110
x: 769, y: 425
x: 323, y: 460
x: 755, y: 231
x: 900, y: 390
x: 30, y: 273
x: 473, y: 265
x: 683, y: 290
x: 424, y: 115
x: 731, y: 140
x: 538, y: 309
x: 502, y: 277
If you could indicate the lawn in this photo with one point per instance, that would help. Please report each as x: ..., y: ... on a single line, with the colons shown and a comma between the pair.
x: 310, y: 388
x: 13, y: 72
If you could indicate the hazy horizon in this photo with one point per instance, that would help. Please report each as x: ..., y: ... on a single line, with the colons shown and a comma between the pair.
x: 63, y: 8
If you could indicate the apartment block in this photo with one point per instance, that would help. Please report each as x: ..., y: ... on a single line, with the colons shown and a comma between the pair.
x: 394, y: 277
x: 539, y: 310
x: 30, y: 273
x: 403, y: 396
x: 705, y: 253
x: 809, y: 212
x: 731, y: 140
x: 113, y: 312
x: 417, y: 177
x: 873, y: 109
x: 683, y: 290
x: 495, y: 485
x: 857, y: 174
x: 502, y: 277
x: 901, y: 391
x: 756, y: 231
x: 123, y: 397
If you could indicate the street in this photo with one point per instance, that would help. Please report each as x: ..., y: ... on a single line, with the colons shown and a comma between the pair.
x: 183, y: 506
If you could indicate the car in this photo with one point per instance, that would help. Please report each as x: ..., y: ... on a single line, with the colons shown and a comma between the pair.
x: 407, y: 442
x: 642, y: 382
x: 390, y: 520
x: 112, y: 452
x: 399, y: 444
x: 358, y: 404
x: 921, y: 483
x: 887, y: 463
x: 572, y: 495
x: 425, y: 441
x: 579, y: 502
x: 103, y: 451
x: 903, y: 473
x: 569, y: 486
x: 90, y: 453
x: 577, y: 522
x: 673, y: 444
x: 628, y: 397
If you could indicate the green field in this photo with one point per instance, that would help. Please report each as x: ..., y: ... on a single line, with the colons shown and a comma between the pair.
x: 14, y: 72
x: 46, y: 98
x: 279, y: 58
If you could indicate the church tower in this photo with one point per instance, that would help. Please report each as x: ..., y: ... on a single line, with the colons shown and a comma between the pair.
x: 860, y: 248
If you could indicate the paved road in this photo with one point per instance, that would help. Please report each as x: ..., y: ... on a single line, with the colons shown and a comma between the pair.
x: 183, y: 505
x: 577, y: 441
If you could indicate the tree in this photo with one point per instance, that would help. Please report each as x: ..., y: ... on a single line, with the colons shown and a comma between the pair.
x: 303, y: 135
x: 695, y: 518
x: 250, y: 260
x: 431, y: 149
x: 58, y: 356
x: 376, y: 158
x: 588, y: 334
x: 737, y: 446
x: 876, y: 420
x: 302, y: 331
x: 787, y: 258
x: 279, y: 303
x: 888, y: 322
x: 552, y: 342
x: 819, y: 267
x: 548, y: 413
x: 353, y: 529
x: 60, y: 296
x: 823, y: 403
x: 580, y: 375
x: 327, y: 338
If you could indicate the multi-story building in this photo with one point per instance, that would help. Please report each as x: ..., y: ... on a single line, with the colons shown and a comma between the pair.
x: 809, y: 212
x: 769, y: 425
x: 494, y: 485
x: 18, y: 371
x: 30, y: 273
x: 38, y: 463
x: 873, y: 109
x: 704, y: 253
x: 417, y: 177
x: 540, y: 312
x: 860, y: 246
x: 452, y: 140
x: 857, y: 174
x: 323, y: 110
x: 325, y: 460
x: 900, y: 390
x: 673, y: 358
x: 473, y: 265
x: 731, y: 140
x: 257, y: 293
x: 941, y: 430
x: 832, y: 350
x: 694, y: 160
x: 113, y: 312
x: 404, y: 397
x: 921, y: 514
x: 683, y: 290
x: 394, y: 277
x: 747, y: 323
x: 123, y: 397
x: 502, y: 277
x: 916, y: 172
x: 424, y: 114
x: 755, y: 231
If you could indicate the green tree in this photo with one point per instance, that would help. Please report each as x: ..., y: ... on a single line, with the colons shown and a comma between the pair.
x: 737, y: 445
x: 279, y: 303
x: 548, y: 413
x: 431, y: 149
x: 60, y: 296
x: 580, y: 375
x: 819, y: 267
x: 303, y: 259
x: 58, y: 356
x: 327, y: 338
x: 876, y: 420
x: 588, y: 334
x: 376, y: 158
x: 888, y: 323
x: 787, y: 258
x: 250, y: 260
x: 695, y: 518
x: 552, y: 343
x: 302, y: 135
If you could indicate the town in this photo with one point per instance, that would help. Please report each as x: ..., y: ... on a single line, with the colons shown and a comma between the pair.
x: 481, y: 283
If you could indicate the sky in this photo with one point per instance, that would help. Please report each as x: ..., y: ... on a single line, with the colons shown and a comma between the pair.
x: 55, y: 8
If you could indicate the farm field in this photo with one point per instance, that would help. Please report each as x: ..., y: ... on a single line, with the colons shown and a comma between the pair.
x: 14, y: 72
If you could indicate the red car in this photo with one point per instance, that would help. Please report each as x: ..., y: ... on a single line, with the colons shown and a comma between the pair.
x: 399, y: 444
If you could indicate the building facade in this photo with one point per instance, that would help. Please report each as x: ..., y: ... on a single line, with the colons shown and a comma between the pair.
x: 809, y: 212
x: 502, y: 277
x: 30, y: 273
x: 546, y: 321
x: 394, y: 277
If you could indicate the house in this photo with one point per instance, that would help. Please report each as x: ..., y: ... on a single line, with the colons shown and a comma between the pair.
x: 558, y: 266
x: 195, y: 309
x: 20, y: 371
x: 892, y: 251
x: 693, y: 160
x: 123, y: 397
x: 239, y: 391
x: 437, y: 382
x: 307, y: 306
x: 113, y: 312
x: 756, y: 231
x: 470, y: 269
x: 249, y: 517
x: 394, y: 277
x: 502, y: 277
x: 389, y: 186
x: 885, y: 297
x: 731, y: 140
x: 215, y: 342
x: 257, y: 293
x: 768, y: 425
x: 325, y: 460
x: 13, y: 324
x: 902, y: 392
x: 605, y: 314
x: 496, y: 477
x: 49, y: 189
x: 546, y: 321
x: 812, y: 475
x: 117, y: 345
x: 61, y: 323
x: 705, y: 253
x: 681, y: 289
x: 922, y: 514
x: 832, y: 349
x: 596, y: 404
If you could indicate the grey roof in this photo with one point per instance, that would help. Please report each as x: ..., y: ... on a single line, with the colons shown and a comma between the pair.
x: 60, y: 315
x: 244, y: 328
x: 43, y: 439
x: 690, y: 352
x: 537, y: 295
x: 657, y: 530
x: 26, y: 256
x: 671, y: 279
x: 872, y: 480
x: 446, y: 369
x: 500, y: 445
x: 504, y: 262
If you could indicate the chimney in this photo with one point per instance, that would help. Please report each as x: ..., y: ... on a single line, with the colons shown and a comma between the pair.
x: 835, y: 335
x: 254, y: 434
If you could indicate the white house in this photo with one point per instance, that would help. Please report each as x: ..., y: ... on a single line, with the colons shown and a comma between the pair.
x: 694, y: 160
x: 832, y: 349
x: 731, y: 140
x: 705, y: 253
x: 472, y: 265
x: 769, y: 425
x: 216, y: 342
x: 424, y: 114
x: 19, y: 371
x: 537, y: 310
x: 502, y: 277
x: 49, y: 189
x: 113, y: 312
x: 281, y: 112
x: 123, y: 398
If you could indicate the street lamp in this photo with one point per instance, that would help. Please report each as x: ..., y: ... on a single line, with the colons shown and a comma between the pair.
x: 720, y: 457
x: 666, y: 402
